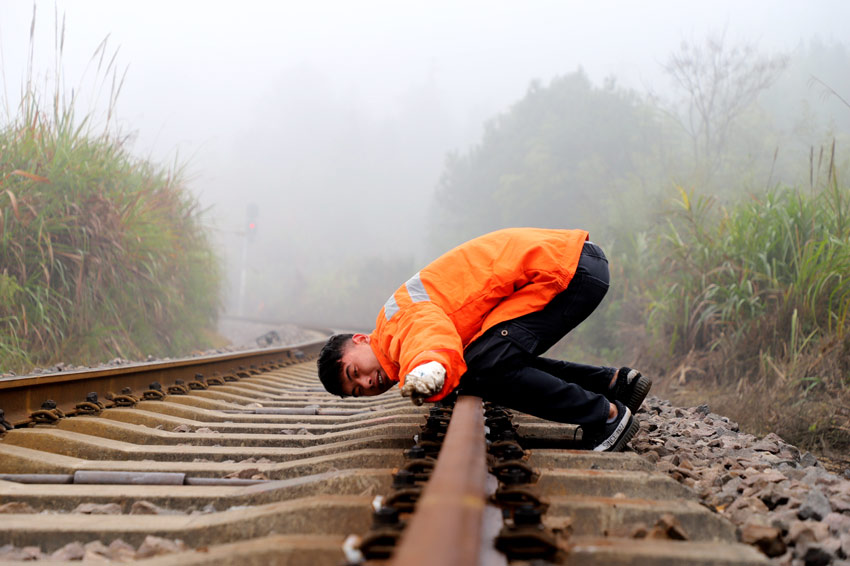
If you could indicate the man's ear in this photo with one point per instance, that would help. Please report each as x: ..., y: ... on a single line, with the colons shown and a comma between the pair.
x: 360, y: 338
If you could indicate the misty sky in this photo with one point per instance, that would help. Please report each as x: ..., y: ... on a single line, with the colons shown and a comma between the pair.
x: 335, y: 117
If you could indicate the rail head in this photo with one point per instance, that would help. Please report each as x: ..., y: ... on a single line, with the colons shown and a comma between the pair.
x: 446, y: 526
x: 20, y: 396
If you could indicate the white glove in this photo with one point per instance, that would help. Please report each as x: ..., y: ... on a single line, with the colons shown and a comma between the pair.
x: 424, y: 381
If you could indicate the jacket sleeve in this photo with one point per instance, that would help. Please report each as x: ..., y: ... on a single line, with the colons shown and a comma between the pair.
x: 424, y: 333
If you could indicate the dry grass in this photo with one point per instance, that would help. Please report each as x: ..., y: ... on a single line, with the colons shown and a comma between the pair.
x: 101, y: 254
x: 810, y: 412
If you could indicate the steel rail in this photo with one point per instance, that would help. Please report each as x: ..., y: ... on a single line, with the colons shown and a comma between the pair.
x: 446, y: 526
x: 20, y: 396
x: 320, y: 485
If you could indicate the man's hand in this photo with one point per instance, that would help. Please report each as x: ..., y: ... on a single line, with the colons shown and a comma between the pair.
x: 424, y: 381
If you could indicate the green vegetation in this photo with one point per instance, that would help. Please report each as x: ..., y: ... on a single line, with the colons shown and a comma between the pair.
x: 565, y: 155
x: 782, y: 255
x: 755, y: 301
x: 101, y: 254
x: 728, y: 234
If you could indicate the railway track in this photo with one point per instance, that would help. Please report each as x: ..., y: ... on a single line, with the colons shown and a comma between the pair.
x: 244, y: 459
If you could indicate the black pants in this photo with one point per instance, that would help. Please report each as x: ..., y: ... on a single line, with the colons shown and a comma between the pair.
x: 504, y: 364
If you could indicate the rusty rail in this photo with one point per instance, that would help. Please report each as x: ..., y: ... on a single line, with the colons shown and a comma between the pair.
x: 317, y: 476
x: 20, y: 396
x: 446, y: 528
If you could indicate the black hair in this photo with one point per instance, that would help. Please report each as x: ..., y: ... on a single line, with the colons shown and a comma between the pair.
x: 330, y: 370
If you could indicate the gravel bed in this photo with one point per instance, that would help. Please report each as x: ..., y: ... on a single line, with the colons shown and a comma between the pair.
x: 783, y: 502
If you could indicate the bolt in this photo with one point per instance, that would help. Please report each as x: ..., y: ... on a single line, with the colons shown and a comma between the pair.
x: 91, y: 397
x: 156, y: 386
x: 440, y: 412
x: 499, y: 423
x: 494, y: 413
x: 526, y: 515
x: 432, y: 436
x: 436, y: 423
x: 415, y: 453
x: 509, y: 452
x: 403, y: 479
x: 385, y: 516
x: 509, y: 434
x: 513, y: 476
x: 49, y: 405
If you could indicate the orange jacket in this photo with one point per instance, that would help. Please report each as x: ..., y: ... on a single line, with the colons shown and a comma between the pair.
x: 451, y: 302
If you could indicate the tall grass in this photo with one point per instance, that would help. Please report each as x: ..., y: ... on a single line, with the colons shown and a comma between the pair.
x: 101, y: 254
x: 757, y: 295
x: 781, y: 254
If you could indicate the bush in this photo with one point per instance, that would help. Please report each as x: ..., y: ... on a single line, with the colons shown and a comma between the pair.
x: 783, y: 256
x: 101, y: 254
x: 757, y: 296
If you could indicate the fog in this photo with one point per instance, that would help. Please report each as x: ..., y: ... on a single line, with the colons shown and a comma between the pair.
x: 335, y: 118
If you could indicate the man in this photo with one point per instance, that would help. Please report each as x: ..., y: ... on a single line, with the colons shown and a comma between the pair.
x: 479, y: 317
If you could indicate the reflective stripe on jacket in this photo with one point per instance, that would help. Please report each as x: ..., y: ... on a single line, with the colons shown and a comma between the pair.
x: 451, y: 302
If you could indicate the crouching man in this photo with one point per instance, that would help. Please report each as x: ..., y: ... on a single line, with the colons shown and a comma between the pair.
x: 479, y: 317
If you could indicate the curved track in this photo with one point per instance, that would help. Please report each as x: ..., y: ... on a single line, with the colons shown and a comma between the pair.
x: 261, y: 466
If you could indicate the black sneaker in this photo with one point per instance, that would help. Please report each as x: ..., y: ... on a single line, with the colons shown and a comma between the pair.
x: 612, y: 437
x: 631, y: 388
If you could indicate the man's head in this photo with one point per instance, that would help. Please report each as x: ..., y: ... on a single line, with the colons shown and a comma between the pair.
x: 348, y: 367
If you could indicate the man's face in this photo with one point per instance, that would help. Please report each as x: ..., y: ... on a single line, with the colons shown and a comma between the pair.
x: 361, y: 373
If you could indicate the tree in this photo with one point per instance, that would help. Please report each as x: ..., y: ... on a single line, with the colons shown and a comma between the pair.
x: 565, y: 155
x: 720, y: 83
